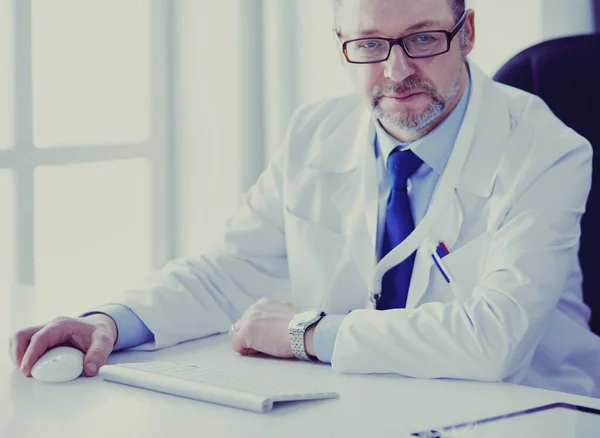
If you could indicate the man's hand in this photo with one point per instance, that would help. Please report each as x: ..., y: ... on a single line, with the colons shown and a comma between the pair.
x: 264, y: 329
x: 94, y: 335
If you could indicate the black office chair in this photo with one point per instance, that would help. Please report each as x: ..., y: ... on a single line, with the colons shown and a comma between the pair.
x: 565, y: 72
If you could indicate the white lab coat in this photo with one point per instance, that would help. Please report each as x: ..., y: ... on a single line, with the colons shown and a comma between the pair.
x: 508, y: 206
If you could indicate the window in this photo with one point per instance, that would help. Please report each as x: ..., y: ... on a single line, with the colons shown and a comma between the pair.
x: 92, y: 225
x: 7, y: 229
x: 91, y: 72
x: 6, y: 75
x: 86, y: 167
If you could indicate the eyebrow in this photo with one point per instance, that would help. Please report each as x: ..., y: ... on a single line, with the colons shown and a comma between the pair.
x: 420, y: 25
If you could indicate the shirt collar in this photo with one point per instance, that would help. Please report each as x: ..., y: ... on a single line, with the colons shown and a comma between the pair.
x: 436, y: 147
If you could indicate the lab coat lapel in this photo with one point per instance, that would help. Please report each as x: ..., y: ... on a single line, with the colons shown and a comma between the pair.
x: 490, y: 127
x: 348, y: 152
x: 357, y: 202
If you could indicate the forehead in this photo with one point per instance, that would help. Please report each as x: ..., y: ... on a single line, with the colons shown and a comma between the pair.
x: 388, y: 17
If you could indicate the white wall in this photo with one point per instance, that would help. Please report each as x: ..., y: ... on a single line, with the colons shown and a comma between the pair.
x: 504, y: 28
x: 560, y: 18
x: 322, y: 74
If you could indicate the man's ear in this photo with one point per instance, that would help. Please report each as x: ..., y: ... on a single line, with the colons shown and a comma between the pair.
x: 467, y: 33
x: 338, y: 46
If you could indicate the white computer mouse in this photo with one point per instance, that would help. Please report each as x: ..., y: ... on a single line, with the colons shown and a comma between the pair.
x: 57, y: 365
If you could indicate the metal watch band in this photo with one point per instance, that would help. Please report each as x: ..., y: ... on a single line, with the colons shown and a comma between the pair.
x: 297, y: 342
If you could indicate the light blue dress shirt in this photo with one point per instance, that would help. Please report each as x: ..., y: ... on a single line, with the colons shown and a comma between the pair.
x: 131, y: 330
x: 434, y: 149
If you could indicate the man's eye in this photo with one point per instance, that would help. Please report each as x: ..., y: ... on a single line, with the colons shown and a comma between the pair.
x: 424, y: 39
x: 369, y: 45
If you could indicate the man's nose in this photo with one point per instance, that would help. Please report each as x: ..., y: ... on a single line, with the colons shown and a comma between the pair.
x: 398, y: 66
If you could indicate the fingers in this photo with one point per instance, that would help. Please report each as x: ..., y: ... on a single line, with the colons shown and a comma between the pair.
x: 240, y: 340
x: 241, y: 333
x: 100, y: 349
x: 55, y: 333
x: 96, y: 340
x: 19, y: 342
x: 232, y: 330
x: 241, y: 344
x: 38, y: 345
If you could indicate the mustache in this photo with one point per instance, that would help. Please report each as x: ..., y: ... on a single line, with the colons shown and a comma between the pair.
x: 409, y: 84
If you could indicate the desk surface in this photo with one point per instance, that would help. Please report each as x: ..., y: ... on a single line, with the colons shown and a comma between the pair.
x: 368, y: 406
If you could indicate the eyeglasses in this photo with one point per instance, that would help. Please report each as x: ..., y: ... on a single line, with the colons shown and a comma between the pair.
x: 415, y: 45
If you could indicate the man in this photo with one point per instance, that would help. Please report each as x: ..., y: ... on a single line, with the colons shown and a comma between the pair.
x: 427, y: 226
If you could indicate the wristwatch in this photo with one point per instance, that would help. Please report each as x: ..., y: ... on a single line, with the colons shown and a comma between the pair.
x: 298, y: 326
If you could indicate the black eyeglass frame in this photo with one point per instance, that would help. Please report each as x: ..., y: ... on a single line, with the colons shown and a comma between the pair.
x: 400, y: 41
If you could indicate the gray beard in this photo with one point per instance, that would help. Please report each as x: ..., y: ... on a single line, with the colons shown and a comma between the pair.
x: 419, y: 123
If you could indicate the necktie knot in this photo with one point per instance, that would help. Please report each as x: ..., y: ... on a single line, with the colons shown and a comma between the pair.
x: 401, y: 165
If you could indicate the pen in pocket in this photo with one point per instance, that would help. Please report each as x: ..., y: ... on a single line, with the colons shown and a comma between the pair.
x: 437, y: 255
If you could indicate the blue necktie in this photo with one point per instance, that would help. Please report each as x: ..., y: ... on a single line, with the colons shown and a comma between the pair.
x: 399, y: 224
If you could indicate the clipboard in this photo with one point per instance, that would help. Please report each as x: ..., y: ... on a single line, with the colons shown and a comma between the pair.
x: 560, y: 420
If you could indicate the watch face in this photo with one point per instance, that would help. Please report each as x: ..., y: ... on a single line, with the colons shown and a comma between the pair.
x: 307, y: 317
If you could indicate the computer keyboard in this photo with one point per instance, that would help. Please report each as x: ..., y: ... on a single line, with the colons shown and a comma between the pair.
x: 209, y: 385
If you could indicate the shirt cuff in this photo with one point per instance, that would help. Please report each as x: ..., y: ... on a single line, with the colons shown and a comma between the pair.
x: 325, y: 334
x: 130, y: 328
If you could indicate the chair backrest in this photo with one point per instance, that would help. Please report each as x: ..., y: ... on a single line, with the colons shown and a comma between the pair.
x: 565, y: 73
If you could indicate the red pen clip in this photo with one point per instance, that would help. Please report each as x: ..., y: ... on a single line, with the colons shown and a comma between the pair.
x: 442, y: 250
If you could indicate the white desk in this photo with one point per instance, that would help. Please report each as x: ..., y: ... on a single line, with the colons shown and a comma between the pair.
x: 368, y: 406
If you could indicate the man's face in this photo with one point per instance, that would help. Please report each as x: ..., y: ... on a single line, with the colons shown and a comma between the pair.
x: 409, y: 96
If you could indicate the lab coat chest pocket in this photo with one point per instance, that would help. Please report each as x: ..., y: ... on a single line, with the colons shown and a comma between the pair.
x: 466, y: 265
x: 312, y: 250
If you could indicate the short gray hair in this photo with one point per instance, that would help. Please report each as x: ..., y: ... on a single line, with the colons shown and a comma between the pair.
x: 458, y: 7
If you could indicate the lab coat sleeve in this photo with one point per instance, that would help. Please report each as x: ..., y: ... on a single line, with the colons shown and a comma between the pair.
x: 191, y: 298
x: 493, y: 335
